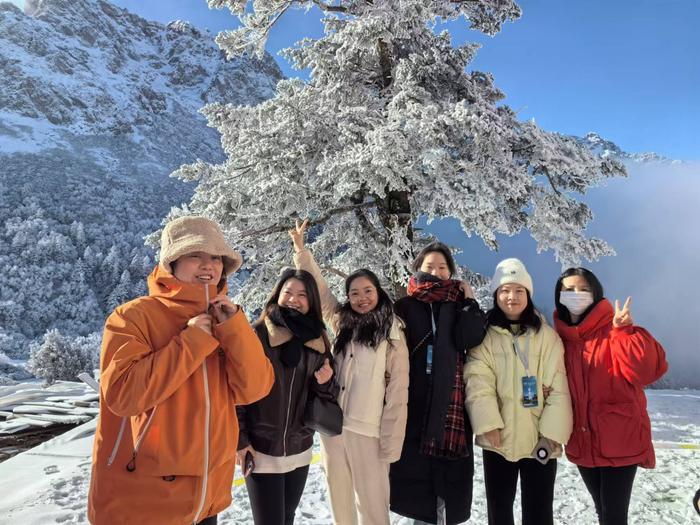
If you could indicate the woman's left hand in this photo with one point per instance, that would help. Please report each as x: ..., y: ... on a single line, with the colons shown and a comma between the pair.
x: 546, y: 390
x: 222, y: 308
x: 324, y: 374
x: 623, y: 316
x: 466, y: 290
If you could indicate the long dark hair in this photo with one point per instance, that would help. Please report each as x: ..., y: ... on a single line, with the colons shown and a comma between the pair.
x: 312, y: 295
x: 435, y: 247
x: 596, y: 289
x: 367, y: 329
x: 529, y: 318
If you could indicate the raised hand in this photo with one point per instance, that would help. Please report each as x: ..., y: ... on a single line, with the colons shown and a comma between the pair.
x: 297, y: 235
x: 324, y: 374
x: 202, y: 321
x: 222, y: 308
x: 466, y: 289
x: 623, y: 317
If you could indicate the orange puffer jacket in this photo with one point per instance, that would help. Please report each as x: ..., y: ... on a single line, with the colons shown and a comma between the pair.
x: 166, y: 438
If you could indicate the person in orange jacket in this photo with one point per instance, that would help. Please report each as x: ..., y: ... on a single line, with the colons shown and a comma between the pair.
x: 173, y: 367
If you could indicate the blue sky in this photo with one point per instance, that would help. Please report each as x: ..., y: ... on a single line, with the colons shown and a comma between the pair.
x: 627, y: 69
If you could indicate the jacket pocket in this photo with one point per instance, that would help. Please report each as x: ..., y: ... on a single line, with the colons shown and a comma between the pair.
x: 619, y: 433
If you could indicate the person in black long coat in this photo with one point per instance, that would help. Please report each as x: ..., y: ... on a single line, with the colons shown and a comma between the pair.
x: 432, y: 481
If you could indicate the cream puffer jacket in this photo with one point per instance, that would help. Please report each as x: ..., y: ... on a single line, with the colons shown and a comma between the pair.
x: 373, y: 382
x: 493, y: 375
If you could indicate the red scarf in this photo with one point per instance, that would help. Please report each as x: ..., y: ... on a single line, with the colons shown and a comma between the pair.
x: 430, y: 291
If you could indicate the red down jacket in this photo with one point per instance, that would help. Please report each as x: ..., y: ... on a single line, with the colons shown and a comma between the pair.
x: 607, y: 369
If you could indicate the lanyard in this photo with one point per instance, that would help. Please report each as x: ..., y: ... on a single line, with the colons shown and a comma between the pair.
x: 429, y: 349
x: 524, y: 357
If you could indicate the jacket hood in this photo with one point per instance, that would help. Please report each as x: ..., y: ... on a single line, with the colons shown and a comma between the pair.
x: 600, y: 317
x: 186, y: 300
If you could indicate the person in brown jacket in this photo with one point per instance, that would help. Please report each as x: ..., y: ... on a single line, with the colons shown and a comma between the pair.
x: 173, y: 367
x: 276, y: 439
x: 371, y: 358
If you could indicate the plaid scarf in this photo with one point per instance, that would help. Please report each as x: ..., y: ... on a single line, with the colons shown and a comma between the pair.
x: 429, y: 289
x: 454, y: 440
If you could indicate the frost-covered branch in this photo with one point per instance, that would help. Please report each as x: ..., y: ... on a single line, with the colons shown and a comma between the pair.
x: 277, y: 228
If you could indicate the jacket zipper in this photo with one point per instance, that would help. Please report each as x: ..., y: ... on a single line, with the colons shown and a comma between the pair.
x: 286, y: 421
x: 131, y: 466
x: 116, y: 444
x: 207, y: 405
x: 205, y: 478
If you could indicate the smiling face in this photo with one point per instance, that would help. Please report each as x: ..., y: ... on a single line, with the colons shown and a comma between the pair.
x: 199, y: 268
x: 512, y: 300
x: 362, y: 295
x: 293, y: 295
x: 436, y: 265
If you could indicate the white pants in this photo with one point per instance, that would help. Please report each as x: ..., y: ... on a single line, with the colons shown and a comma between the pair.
x: 358, y: 482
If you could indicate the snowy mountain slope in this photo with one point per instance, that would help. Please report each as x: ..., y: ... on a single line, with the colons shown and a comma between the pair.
x: 607, y: 148
x: 50, y: 482
x: 97, y: 107
x: 87, y: 68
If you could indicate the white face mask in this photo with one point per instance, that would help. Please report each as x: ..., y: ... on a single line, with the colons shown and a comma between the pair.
x: 576, y: 302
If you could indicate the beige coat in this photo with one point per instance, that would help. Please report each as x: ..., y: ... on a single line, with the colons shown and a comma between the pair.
x: 374, y: 382
x: 494, y: 391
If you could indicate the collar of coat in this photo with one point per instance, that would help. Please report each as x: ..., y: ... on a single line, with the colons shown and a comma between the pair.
x: 278, y: 335
x: 600, y: 317
x: 396, y: 328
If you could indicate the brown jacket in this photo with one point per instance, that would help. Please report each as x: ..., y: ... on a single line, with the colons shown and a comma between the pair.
x: 275, y: 425
x: 165, y: 443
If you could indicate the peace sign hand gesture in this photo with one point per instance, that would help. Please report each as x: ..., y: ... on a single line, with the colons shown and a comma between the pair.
x: 623, y: 317
x: 297, y: 235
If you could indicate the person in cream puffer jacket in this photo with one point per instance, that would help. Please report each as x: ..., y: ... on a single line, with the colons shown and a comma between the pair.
x: 508, y: 420
x: 371, y: 359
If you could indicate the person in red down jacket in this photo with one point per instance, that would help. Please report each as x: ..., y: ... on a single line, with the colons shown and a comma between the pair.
x: 609, y: 361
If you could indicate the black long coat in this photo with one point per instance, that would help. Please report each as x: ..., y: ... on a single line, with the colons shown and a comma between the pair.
x: 417, y: 480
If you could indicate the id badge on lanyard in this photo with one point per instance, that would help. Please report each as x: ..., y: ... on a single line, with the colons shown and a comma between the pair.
x: 529, y: 383
x: 429, y: 349
x: 529, y: 391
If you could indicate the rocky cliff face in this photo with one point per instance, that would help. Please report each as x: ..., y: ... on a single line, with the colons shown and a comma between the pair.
x: 97, y: 107
x: 86, y: 68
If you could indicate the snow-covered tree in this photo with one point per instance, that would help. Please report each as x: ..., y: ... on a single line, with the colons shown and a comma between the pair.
x: 391, y: 126
x: 60, y: 358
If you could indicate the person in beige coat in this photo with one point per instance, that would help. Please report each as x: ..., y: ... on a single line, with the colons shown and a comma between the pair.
x: 518, y: 401
x: 371, y: 359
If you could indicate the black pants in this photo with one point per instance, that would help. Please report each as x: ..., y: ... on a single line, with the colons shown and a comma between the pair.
x: 536, y: 489
x: 611, y: 489
x: 211, y: 520
x: 274, y: 497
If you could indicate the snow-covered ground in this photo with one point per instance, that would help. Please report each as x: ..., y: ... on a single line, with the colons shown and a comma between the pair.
x: 49, y: 483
